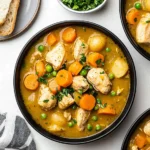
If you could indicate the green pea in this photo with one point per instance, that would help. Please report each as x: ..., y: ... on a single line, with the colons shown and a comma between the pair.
x: 98, y: 127
x: 94, y: 118
x: 113, y: 93
x: 74, y: 107
x: 41, y: 48
x: 43, y: 116
x: 138, y: 6
x: 70, y: 124
x: 98, y: 101
x: 74, y: 121
x: 83, y: 72
x: 49, y: 68
x: 54, y: 73
x: 96, y: 107
x: 108, y: 49
x: 89, y: 127
x: 111, y: 76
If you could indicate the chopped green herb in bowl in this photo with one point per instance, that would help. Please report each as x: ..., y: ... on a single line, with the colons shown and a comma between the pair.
x: 82, y: 6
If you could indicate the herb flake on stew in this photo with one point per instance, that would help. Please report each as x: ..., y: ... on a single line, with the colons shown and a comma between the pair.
x: 83, y: 45
x: 82, y: 59
x: 102, y: 72
x: 53, y: 97
x: 148, y: 21
x: 46, y: 100
x: 42, y: 80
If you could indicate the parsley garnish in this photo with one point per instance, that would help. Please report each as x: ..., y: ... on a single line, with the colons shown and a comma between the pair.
x: 102, y: 72
x: 98, y: 61
x: 53, y: 97
x: 42, y: 80
x: 46, y: 101
x: 83, y: 45
x: 82, y: 59
x: 148, y: 21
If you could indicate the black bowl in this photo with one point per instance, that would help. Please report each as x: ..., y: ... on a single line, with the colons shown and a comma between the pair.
x: 19, y: 98
x: 133, y: 128
x: 128, y: 33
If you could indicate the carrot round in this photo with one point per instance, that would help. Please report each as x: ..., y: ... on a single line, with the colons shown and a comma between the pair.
x: 94, y: 59
x: 30, y: 82
x: 108, y: 110
x: 40, y: 68
x: 69, y: 35
x: 87, y: 102
x: 64, y: 78
x: 54, y: 87
x: 51, y: 39
x: 75, y: 68
x: 132, y: 16
x: 140, y: 140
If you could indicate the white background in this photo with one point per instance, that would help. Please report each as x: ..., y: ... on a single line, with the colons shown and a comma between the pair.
x: 52, y: 12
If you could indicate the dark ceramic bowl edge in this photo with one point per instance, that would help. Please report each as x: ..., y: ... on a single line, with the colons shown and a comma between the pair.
x: 131, y: 130
x: 127, y: 32
x: 120, y: 118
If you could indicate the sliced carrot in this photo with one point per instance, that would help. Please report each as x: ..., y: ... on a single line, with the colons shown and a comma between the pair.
x: 64, y: 78
x: 40, y: 68
x: 108, y: 110
x: 87, y: 102
x: 132, y: 16
x: 94, y: 59
x: 140, y: 140
x: 51, y: 39
x: 69, y: 35
x: 75, y: 68
x: 30, y: 82
x: 53, y: 86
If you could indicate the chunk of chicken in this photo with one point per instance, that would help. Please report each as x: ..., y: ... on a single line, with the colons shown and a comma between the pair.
x: 80, y: 83
x: 66, y: 102
x: 80, y: 47
x: 46, y: 98
x: 82, y: 117
x: 134, y: 147
x: 147, y: 128
x: 56, y: 56
x: 99, y: 79
x: 143, y: 29
x: 119, y: 68
x: 67, y: 115
x: 35, y: 55
x: 57, y: 121
x: 55, y: 128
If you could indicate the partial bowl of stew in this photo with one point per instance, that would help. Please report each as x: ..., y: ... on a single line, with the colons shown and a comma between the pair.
x: 74, y: 82
x: 138, y: 136
x: 135, y: 18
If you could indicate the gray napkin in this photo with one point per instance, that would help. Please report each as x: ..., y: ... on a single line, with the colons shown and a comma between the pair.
x: 14, y: 133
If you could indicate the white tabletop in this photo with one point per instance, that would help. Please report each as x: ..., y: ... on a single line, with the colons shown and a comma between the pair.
x: 52, y: 12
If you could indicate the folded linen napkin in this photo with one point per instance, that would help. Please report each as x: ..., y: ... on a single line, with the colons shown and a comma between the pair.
x: 14, y: 133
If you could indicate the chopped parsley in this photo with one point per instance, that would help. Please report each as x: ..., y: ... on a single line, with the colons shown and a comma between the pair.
x: 42, y: 80
x: 102, y: 72
x: 82, y: 59
x: 53, y: 97
x: 83, y: 45
x: 46, y: 100
x: 148, y: 21
x: 98, y: 62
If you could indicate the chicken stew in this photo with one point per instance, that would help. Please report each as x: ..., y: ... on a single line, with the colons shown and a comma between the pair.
x: 138, y: 21
x: 140, y: 139
x: 75, y: 81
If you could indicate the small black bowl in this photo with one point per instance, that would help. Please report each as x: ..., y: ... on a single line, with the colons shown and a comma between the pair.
x: 19, y: 98
x: 133, y: 128
x: 128, y: 33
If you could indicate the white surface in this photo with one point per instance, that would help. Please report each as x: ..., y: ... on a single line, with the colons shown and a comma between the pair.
x: 52, y: 12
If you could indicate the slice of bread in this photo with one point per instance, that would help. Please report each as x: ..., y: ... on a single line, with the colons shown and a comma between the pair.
x: 4, y: 9
x: 9, y: 25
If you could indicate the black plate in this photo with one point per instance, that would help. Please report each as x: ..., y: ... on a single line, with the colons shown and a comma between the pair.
x: 19, y: 99
x: 133, y: 128
x: 128, y: 33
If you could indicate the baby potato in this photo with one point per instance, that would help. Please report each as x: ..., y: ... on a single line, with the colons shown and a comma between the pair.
x: 97, y: 43
x: 120, y: 67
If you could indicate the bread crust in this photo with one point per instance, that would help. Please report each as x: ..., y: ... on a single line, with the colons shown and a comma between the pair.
x: 8, y: 27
